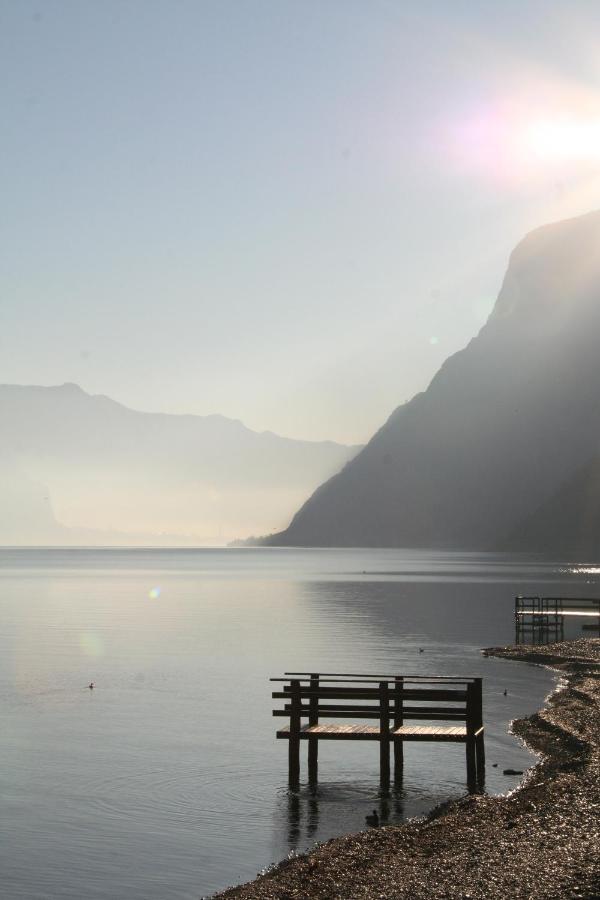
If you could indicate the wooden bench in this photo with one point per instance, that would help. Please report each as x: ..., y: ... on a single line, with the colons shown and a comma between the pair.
x: 449, y: 709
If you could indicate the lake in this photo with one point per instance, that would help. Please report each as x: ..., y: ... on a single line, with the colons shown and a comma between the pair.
x: 137, y: 789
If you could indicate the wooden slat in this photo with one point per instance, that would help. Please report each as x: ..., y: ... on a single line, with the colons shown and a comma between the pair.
x: 454, y: 733
x: 372, y: 732
x: 420, y: 694
x: 373, y: 713
x: 342, y: 677
x: 342, y: 693
x: 336, y: 732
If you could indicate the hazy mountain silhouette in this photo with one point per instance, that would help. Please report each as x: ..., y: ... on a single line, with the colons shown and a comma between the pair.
x: 26, y: 513
x: 108, y: 469
x: 503, y: 423
x: 567, y: 525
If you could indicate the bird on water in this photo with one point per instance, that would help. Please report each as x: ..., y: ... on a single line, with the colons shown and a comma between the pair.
x: 373, y: 818
x: 91, y: 685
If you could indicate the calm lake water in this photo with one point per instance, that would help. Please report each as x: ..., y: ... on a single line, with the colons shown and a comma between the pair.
x: 166, y: 780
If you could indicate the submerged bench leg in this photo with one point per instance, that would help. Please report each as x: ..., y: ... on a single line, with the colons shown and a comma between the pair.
x: 313, y: 760
x: 313, y: 719
x: 384, y: 763
x: 398, y: 721
x: 480, y: 755
x: 294, y: 762
x: 471, y: 764
x: 398, y: 761
x: 384, y: 735
x: 294, y: 741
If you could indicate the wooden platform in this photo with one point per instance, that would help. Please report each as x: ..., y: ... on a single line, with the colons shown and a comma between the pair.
x: 456, y: 733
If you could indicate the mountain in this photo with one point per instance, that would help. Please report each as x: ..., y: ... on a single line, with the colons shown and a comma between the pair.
x: 503, y: 423
x: 567, y: 525
x: 26, y: 513
x: 109, y: 474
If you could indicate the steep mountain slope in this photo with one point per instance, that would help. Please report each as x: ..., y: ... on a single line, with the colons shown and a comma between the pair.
x: 503, y: 422
x: 567, y: 525
x: 109, y: 468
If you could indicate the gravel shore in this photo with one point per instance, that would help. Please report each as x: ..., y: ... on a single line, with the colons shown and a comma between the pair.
x: 542, y: 841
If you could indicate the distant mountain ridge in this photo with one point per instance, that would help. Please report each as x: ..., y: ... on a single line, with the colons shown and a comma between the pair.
x: 87, y: 463
x: 502, y: 425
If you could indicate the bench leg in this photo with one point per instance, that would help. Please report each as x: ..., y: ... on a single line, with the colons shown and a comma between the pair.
x: 313, y: 760
x: 384, y: 763
x: 398, y: 761
x: 471, y: 765
x: 294, y: 763
x: 480, y: 755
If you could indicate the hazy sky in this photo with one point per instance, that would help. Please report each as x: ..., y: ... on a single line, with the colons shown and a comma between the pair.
x: 285, y: 212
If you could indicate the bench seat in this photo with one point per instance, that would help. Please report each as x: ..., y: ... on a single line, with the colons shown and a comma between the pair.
x: 329, y: 731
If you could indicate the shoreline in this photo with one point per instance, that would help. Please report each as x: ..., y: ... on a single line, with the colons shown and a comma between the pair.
x: 541, y: 840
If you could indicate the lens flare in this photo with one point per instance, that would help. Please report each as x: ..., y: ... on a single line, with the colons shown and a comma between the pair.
x: 154, y: 593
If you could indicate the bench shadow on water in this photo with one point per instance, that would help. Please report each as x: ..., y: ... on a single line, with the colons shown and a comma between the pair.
x: 314, y: 813
x: 304, y: 807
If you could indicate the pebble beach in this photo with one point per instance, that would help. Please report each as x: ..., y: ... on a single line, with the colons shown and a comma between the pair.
x: 540, y: 841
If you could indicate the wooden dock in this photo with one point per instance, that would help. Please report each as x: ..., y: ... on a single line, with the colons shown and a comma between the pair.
x: 454, y: 704
x: 542, y: 619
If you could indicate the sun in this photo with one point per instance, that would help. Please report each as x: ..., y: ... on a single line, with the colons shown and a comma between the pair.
x: 563, y: 140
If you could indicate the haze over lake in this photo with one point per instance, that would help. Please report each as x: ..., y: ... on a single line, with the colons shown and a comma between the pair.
x: 139, y: 789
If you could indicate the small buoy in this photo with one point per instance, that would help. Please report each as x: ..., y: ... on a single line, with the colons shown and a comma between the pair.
x: 420, y: 650
x: 91, y: 685
x: 373, y: 818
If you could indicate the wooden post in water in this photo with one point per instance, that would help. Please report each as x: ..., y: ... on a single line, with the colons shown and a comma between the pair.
x: 470, y: 742
x: 313, y: 719
x: 294, y: 742
x: 479, y: 741
x: 398, y: 721
x: 384, y: 735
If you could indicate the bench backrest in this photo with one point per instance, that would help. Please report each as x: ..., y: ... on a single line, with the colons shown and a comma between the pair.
x: 318, y: 696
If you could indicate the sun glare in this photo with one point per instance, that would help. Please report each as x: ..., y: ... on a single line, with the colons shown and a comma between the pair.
x: 563, y: 140
x: 512, y: 139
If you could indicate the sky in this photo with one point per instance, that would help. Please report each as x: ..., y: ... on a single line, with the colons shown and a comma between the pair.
x: 289, y: 213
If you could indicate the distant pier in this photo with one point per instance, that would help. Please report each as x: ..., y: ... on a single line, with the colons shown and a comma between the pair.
x: 539, y: 620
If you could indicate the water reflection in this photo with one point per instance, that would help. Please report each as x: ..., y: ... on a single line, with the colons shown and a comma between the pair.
x: 311, y: 807
x: 307, y: 807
